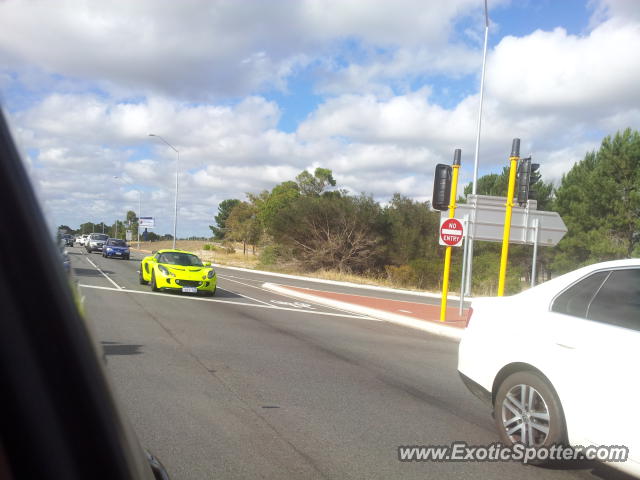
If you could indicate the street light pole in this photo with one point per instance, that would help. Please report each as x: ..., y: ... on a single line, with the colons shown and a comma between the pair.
x: 139, y: 210
x: 175, y: 200
x: 466, y: 287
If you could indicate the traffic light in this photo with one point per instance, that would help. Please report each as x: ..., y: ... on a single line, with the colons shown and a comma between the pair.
x: 524, y: 170
x: 442, y: 187
x: 528, y: 175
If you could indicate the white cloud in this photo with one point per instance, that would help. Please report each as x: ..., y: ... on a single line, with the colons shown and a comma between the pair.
x: 163, y: 67
x: 555, y: 71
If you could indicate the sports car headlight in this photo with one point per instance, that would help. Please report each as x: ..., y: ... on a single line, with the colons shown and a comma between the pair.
x: 211, y: 273
x: 165, y: 271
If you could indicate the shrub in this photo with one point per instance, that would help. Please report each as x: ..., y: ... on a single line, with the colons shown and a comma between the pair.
x: 206, y: 247
x: 402, y: 275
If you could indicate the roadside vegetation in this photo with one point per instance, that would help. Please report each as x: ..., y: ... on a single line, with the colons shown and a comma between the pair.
x: 310, y: 225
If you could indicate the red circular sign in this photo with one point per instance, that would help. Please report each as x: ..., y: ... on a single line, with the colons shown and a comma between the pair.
x: 451, y: 232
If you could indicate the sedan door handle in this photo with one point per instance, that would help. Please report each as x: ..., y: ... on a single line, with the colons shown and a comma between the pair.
x: 569, y: 347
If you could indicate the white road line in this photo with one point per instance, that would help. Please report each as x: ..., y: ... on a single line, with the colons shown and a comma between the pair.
x: 215, y: 300
x: 104, y: 274
x: 245, y: 296
x: 280, y: 293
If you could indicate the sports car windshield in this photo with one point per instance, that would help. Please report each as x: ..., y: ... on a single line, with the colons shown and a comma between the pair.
x: 182, y: 259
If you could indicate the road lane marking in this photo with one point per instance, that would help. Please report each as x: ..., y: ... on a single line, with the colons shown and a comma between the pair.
x: 230, y: 302
x: 293, y: 304
x: 104, y: 274
x: 245, y: 296
x: 279, y: 293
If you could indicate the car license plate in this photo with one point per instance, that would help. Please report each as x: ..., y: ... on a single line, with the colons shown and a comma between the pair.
x: 189, y: 289
x: 118, y: 253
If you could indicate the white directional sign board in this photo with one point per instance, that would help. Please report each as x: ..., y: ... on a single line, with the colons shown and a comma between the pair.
x: 129, y: 235
x: 486, y: 221
x: 147, y: 222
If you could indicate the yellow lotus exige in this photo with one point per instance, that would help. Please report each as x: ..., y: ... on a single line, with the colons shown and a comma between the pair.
x: 179, y: 271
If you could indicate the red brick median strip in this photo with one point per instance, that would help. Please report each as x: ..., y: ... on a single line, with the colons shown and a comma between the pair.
x: 418, y: 311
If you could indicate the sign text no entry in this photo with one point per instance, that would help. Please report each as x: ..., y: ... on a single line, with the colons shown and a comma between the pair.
x: 451, y: 232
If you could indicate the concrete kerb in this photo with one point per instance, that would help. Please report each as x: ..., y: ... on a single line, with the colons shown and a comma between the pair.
x: 336, y: 282
x: 424, y: 325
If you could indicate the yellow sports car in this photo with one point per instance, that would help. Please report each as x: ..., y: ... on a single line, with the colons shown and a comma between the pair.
x: 179, y: 271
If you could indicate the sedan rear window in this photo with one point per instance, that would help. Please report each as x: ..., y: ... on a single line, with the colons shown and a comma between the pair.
x: 618, y: 301
x: 575, y: 300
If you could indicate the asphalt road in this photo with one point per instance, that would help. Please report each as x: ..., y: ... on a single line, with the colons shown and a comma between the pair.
x: 252, y: 384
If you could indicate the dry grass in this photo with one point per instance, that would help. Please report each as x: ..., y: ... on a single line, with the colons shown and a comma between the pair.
x: 219, y: 255
x: 238, y: 259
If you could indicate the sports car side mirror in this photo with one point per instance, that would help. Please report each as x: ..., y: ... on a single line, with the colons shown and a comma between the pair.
x: 206, y: 264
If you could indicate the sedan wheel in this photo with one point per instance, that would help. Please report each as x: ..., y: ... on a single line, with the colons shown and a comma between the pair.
x: 528, y: 411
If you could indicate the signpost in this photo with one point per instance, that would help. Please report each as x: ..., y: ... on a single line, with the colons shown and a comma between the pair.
x: 485, y: 217
x: 451, y: 232
x: 486, y: 221
x: 147, y: 222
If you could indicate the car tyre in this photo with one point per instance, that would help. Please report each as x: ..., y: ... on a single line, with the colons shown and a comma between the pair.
x: 540, y: 416
x: 154, y: 286
x: 141, y: 278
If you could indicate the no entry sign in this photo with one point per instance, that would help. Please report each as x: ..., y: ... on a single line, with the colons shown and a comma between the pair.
x: 451, y: 232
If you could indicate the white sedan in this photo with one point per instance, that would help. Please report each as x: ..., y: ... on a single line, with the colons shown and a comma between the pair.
x: 559, y: 363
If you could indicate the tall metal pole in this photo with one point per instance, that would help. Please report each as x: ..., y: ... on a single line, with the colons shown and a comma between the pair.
x: 447, y: 257
x: 536, y: 229
x: 175, y: 202
x: 504, y: 257
x: 474, y: 187
x: 139, y: 215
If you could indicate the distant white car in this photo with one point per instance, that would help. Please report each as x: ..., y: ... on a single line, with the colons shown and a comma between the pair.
x: 559, y: 363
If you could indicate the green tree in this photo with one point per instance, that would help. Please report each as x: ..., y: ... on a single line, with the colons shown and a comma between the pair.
x: 332, y: 232
x: 224, y: 209
x: 270, y: 204
x: 599, y: 200
x: 314, y: 185
x: 410, y: 230
x: 497, y: 185
x: 243, y: 225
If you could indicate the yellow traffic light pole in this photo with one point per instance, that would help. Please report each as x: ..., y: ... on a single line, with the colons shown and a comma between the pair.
x: 447, y: 255
x: 513, y: 159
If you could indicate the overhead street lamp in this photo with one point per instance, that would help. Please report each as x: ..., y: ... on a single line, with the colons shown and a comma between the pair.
x: 139, y: 207
x: 175, y: 202
x: 467, y: 258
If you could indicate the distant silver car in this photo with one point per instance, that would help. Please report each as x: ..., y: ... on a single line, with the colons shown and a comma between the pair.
x: 95, y: 242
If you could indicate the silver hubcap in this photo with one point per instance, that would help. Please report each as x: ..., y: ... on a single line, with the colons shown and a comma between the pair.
x: 525, y: 416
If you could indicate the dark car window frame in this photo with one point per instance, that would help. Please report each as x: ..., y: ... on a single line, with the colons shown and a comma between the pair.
x: 59, y: 417
x: 611, y: 323
x: 557, y: 297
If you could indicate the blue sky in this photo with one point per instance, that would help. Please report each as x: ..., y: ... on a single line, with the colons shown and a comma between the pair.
x: 377, y: 91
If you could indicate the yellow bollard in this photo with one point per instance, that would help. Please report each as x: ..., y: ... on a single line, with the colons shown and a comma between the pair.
x: 515, y: 156
x: 447, y: 255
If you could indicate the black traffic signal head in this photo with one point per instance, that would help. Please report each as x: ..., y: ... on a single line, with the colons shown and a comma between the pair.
x: 442, y: 187
x: 524, y: 174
